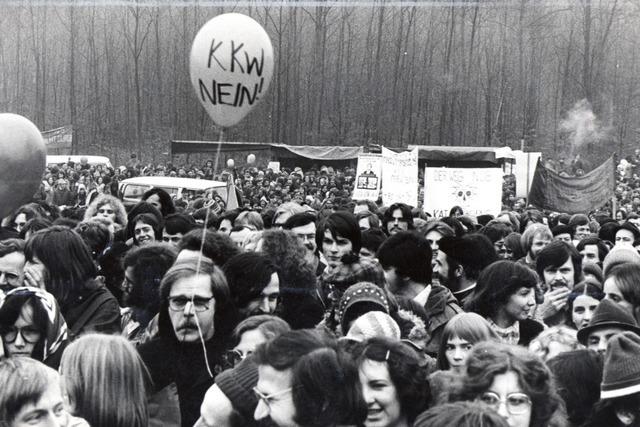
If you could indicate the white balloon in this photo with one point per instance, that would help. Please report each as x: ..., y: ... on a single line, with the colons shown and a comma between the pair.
x: 251, y: 159
x: 231, y: 66
x: 230, y: 163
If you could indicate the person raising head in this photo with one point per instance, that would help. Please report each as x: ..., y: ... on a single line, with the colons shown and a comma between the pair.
x: 394, y: 383
x: 514, y: 382
x: 107, y: 388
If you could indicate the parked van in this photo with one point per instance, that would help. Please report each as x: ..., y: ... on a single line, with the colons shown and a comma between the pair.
x: 92, y: 160
x: 132, y: 189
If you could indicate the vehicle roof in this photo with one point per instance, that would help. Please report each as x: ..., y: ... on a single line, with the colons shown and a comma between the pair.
x: 57, y: 158
x: 168, y: 181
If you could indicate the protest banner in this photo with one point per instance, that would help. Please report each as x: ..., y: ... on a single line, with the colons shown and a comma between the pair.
x: 578, y: 194
x: 368, y: 177
x: 476, y: 190
x: 524, y: 171
x: 59, y: 140
x: 400, y: 177
x: 274, y: 166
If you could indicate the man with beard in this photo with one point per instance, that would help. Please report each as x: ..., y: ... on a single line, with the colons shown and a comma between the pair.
x: 559, y: 266
x: 303, y: 226
x: 254, y: 284
x: 397, y: 218
x: 533, y: 240
x: 460, y: 261
x: 195, y: 321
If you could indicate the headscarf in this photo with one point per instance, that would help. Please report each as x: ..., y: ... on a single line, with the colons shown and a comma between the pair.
x: 56, y: 327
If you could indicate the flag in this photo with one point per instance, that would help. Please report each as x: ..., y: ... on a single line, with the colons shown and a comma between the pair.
x: 232, y: 196
x: 579, y: 194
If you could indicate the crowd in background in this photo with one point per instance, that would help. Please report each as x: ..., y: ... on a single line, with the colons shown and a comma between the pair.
x: 303, y: 307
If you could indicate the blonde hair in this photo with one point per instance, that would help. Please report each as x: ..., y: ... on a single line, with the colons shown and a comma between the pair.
x: 105, y: 380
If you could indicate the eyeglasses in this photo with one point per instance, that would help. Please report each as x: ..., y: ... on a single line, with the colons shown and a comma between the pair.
x: 29, y: 334
x: 199, y: 304
x: 516, y: 403
x: 268, y: 399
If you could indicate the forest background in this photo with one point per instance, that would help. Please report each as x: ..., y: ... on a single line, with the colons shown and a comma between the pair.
x: 561, y: 77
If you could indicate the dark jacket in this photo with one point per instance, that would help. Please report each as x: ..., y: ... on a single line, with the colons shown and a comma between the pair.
x: 440, y: 307
x: 529, y: 329
x: 95, y: 310
x: 171, y: 361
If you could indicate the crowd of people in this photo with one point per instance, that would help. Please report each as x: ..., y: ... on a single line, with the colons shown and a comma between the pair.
x: 303, y: 307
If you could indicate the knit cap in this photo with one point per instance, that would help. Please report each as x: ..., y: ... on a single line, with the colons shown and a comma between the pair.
x: 363, y: 292
x: 621, y: 376
x: 620, y: 254
x: 238, y: 383
x: 374, y: 324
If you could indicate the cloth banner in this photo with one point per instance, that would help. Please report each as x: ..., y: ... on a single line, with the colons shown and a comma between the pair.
x: 400, y: 177
x: 368, y: 177
x: 476, y: 190
x: 59, y: 140
x: 572, y: 195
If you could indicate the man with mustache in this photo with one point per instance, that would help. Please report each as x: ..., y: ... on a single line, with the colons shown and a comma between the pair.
x: 397, y: 218
x: 195, y: 321
x: 559, y: 266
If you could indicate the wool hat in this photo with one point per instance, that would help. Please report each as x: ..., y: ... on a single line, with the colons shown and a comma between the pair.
x: 238, y: 383
x: 619, y: 255
x: 363, y: 292
x: 621, y: 375
x: 363, y: 270
x: 374, y: 324
x: 609, y: 315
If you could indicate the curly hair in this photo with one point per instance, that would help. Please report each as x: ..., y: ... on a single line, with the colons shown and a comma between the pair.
x: 407, y: 370
x: 166, y: 202
x: 114, y: 202
x: 489, y: 359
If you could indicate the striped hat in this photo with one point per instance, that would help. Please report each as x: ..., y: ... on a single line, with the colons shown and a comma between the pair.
x: 621, y: 376
x: 374, y: 324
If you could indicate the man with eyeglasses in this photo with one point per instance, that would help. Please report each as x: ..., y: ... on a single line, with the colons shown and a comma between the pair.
x: 12, y: 262
x: 304, y: 379
x: 195, y: 320
x: 303, y: 225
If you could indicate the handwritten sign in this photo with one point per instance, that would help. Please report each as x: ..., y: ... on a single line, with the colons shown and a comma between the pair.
x: 368, y: 177
x: 231, y: 66
x: 400, y: 177
x: 477, y: 190
x: 274, y: 166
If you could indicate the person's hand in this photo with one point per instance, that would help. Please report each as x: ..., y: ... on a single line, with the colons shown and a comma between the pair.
x: 554, y: 301
x: 33, y: 277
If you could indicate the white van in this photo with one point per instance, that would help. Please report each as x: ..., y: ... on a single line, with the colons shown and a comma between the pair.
x: 132, y: 189
x: 92, y: 160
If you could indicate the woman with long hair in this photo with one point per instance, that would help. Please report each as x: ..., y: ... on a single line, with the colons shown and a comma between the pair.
x: 394, y: 383
x: 31, y: 325
x: 505, y: 296
x: 514, y: 382
x: 621, y: 287
x: 58, y: 260
x: 107, y: 388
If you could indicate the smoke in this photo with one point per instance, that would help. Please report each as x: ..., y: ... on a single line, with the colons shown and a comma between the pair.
x: 582, y: 127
